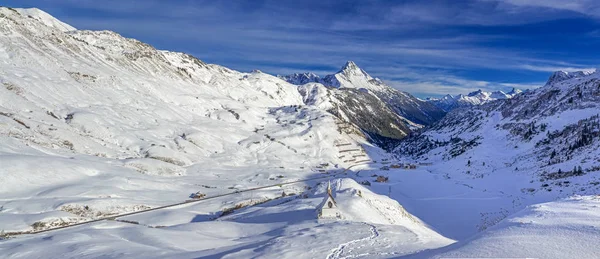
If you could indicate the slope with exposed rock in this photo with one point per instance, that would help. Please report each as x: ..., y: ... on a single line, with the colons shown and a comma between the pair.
x: 552, y: 134
x: 383, y: 113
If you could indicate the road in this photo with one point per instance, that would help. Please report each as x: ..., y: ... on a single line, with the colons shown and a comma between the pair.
x: 115, y: 217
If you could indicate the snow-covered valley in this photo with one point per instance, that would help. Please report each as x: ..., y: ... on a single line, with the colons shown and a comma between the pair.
x: 94, y: 126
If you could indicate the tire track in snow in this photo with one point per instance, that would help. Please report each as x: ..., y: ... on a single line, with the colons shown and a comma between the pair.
x: 338, y: 251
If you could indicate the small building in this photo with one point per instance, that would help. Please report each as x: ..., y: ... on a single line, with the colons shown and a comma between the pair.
x: 381, y: 179
x: 396, y: 166
x: 328, y: 208
x: 410, y: 166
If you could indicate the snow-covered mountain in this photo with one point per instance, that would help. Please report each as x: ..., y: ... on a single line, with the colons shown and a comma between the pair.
x: 353, y: 77
x: 350, y: 76
x: 450, y: 102
x: 559, y: 76
x: 358, y: 96
x: 504, y: 164
x: 94, y: 125
x: 91, y: 119
x: 550, y: 134
x: 373, y: 117
x: 45, y: 18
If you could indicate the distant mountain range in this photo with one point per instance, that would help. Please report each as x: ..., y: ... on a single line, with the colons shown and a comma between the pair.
x: 450, y: 102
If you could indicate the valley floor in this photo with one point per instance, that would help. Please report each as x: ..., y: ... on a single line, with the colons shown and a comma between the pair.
x: 486, y: 218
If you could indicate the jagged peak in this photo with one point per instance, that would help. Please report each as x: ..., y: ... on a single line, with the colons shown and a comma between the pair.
x: 301, y: 78
x: 305, y: 74
x: 350, y: 65
x: 515, y: 91
x: 351, y: 68
x: 474, y: 93
x: 561, y: 75
x: 349, y: 76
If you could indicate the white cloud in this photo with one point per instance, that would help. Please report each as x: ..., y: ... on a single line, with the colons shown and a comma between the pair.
x: 588, y: 7
x: 555, y: 68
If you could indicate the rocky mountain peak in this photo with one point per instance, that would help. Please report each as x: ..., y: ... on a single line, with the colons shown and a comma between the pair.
x: 350, y: 65
x: 351, y: 69
x: 515, y: 91
x: 476, y: 93
x: 560, y: 76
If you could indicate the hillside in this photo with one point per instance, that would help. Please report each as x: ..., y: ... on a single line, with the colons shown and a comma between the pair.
x: 571, y: 225
x: 90, y: 119
x: 542, y: 131
x: 537, y: 147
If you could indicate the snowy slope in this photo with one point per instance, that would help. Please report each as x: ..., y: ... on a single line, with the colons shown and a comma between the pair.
x: 541, y: 131
x: 359, y: 110
x: 94, y: 124
x: 566, y: 228
x: 45, y: 18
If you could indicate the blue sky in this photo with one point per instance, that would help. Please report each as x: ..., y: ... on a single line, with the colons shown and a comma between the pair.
x: 428, y: 48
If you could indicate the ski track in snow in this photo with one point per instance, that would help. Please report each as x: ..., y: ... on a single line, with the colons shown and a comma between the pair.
x: 337, y: 252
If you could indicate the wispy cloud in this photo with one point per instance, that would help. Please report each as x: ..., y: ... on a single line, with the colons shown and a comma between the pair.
x: 435, y: 84
x: 556, y: 68
x: 588, y: 7
x: 428, y: 47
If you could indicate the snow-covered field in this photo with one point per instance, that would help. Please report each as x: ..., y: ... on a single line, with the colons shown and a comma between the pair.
x: 94, y: 125
x: 374, y: 226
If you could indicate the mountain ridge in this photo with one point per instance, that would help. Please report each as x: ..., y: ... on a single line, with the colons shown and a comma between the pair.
x: 351, y: 76
x: 479, y: 97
